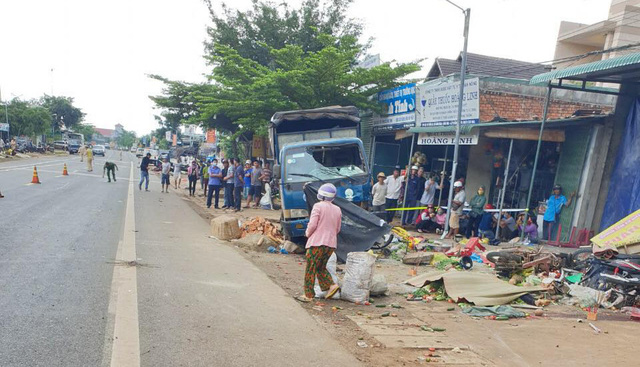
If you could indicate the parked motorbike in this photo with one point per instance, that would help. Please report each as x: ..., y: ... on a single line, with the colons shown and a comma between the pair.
x: 620, y: 274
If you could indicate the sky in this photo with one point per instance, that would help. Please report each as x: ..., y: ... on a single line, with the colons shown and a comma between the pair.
x: 100, y: 52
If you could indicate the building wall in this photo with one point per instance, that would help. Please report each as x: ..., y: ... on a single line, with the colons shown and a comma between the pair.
x: 521, y: 107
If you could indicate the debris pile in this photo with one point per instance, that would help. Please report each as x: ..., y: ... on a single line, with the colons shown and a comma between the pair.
x: 259, y: 225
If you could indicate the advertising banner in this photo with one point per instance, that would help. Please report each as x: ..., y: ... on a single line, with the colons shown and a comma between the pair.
x: 438, y: 103
x: 258, y: 145
x: 447, y: 138
x: 399, y: 106
x: 211, y: 136
x: 167, y: 135
x: 174, y: 141
x: 4, y: 127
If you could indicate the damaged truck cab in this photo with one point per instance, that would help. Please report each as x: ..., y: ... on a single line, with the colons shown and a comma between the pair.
x: 314, y: 147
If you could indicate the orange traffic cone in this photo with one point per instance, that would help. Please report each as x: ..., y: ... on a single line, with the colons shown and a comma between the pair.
x: 35, y: 179
x: 64, y: 170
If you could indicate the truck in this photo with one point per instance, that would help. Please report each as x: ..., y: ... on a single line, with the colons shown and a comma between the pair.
x: 74, y: 141
x: 317, y: 146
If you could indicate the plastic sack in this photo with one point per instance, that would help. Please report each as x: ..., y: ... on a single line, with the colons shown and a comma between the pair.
x: 358, y: 277
x: 331, y: 267
x: 265, y: 201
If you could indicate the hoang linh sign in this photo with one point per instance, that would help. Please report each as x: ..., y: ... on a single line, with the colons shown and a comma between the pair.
x: 447, y: 138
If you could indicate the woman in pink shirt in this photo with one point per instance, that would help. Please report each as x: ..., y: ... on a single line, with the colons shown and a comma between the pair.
x: 322, y: 238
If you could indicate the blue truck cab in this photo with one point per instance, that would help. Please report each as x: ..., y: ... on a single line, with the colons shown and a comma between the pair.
x: 317, y: 146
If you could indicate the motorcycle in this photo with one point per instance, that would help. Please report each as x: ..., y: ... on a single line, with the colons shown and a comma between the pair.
x: 620, y: 274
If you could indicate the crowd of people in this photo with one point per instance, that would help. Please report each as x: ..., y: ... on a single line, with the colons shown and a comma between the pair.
x: 469, y: 218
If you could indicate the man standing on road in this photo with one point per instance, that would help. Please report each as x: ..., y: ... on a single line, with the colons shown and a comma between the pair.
x: 394, y: 186
x: 238, y: 185
x: 227, y: 178
x: 247, y: 182
x: 256, y: 184
x: 81, y: 152
x: 215, y: 183
x: 111, y: 169
x: 144, y: 172
x: 90, y: 159
x: 378, y: 194
x: 165, y: 181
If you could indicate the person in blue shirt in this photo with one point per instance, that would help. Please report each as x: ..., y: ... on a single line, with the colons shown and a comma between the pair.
x: 247, y: 181
x: 215, y: 183
x: 551, y: 218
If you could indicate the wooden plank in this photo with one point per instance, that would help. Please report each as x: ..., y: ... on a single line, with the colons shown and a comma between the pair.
x: 556, y: 136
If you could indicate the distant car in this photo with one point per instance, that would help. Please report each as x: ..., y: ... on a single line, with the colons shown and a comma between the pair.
x: 98, y: 150
x: 133, y: 149
x: 60, y: 144
x: 139, y: 152
x: 164, y: 154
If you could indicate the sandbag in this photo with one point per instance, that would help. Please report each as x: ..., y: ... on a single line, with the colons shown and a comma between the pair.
x: 331, y: 267
x: 358, y: 277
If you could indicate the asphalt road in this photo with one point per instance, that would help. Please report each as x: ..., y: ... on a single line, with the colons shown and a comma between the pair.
x: 102, y: 274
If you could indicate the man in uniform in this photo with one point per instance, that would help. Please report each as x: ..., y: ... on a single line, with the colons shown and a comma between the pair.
x: 90, y: 159
x: 111, y: 169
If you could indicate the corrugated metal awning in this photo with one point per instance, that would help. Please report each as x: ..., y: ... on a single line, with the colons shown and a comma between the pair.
x: 614, y: 70
x: 465, y: 129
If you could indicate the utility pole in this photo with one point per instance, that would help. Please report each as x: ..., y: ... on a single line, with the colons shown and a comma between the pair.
x: 456, y: 147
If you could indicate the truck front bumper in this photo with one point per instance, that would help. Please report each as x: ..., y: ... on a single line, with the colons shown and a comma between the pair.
x: 292, y: 228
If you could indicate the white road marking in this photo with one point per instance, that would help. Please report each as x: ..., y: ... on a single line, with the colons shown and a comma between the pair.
x: 126, y: 333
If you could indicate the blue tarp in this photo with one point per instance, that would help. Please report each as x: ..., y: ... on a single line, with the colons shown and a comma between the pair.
x: 624, y: 187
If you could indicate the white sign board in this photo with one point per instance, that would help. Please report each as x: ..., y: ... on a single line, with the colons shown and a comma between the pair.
x: 370, y: 61
x: 447, y: 138
x: 438, y: 103
x: 167, y: 135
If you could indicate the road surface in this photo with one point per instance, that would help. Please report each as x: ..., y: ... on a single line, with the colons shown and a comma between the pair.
x: 103, y: 274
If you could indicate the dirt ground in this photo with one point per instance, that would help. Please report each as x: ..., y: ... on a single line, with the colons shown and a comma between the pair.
x: 562, y: 336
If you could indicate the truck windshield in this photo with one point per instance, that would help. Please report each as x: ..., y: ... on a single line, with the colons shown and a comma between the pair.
x: 323, y: 162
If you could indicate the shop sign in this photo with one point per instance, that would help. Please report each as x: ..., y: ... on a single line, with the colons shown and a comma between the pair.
x: 167, y: 135
x: 438, y: 103
x: 4, y: 127
x: 211, y: 136
x: 447, y: 138
x: 399, y: 105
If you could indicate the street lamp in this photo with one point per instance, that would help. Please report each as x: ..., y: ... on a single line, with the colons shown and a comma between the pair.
x: 456, y: 147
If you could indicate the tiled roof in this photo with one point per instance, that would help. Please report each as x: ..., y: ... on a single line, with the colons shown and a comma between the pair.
x: 107, y: 133
x: 488, y: 66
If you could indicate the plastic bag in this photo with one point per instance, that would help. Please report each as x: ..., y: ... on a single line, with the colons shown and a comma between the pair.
x: 331, y: 267
x: 358, y: 277
x: 265, y: 201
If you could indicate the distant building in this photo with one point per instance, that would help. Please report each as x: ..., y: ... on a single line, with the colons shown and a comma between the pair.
x: 621, y: 28
x: 104, y: 136
x: 486, y: 66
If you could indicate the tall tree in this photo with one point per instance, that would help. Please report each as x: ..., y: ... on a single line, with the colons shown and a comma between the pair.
x: 28, y: 118
x: 272, y: 58
x: 63, y: 111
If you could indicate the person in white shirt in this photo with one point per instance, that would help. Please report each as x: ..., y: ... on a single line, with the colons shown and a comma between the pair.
x: 379, y: 193
x: 177, y: 175
x: 456, y: 209
x: 166, y: 169
x: 394, y: 186
x: 429, y: 193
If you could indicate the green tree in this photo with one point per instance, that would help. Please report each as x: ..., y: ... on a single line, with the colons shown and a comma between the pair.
x: 126, y: 139
x: 86, y: 130
x: 273, y: 58
x: 28, y: 118
x: 63, y: 111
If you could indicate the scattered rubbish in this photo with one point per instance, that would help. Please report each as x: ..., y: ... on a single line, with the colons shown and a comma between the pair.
x: 395, y: 305
x: 362, y: 344
x: 385, y: 314
x: 358, y: 277
x: 381, y: 306
x: 538, y: 312
x: 498, y: 311
x: 378, y: 285
x: 262, y: 226
x: 451, y: 309
x: 474, y: 287
x: 417, y: 258
x: 595, y: 328
x: 456, y: 350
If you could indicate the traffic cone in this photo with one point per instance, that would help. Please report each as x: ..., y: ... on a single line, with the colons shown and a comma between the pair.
x: 64, y: 170
x: 35, y: 179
